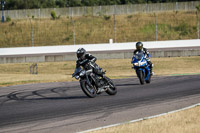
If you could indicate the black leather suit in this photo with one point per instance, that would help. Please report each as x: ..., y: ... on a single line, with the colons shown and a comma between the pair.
x: 83, y: 62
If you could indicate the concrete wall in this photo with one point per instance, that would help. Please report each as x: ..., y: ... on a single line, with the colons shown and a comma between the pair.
x: 97, y: 47
x: 102, y: 10
x: 176, y: 52
x: 173, y: 48
x: 123, y: 54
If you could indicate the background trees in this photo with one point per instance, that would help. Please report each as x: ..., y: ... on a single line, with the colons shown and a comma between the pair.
x: 31, y: 4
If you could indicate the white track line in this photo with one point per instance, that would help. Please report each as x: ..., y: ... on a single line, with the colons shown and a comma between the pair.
x: 145, y: 118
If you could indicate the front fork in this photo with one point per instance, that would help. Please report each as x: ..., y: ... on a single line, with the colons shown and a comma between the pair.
x: 146, y: 73
x: 88, y: 81
x: 87, y: 78
x: 92, y: 75
x: 140, y: 69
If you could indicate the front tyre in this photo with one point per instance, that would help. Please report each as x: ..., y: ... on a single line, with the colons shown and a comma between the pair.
x: 140, y: 75
x: 112, y: 89
x: 149, y: 79
x: 89, y: 91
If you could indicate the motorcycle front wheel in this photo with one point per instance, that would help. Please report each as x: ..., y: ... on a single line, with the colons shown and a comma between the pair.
x: 140, y: 75
x: 89, y: 91
x: 149, y: 79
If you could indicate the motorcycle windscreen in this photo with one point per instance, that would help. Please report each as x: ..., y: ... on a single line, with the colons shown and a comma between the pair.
x: 139, y: 55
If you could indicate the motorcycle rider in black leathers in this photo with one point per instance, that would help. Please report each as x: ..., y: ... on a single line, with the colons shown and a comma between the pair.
x: 82, y: 57
x: 139, y: 48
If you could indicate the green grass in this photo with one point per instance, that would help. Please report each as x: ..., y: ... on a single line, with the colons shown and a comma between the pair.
x: 99, y: 29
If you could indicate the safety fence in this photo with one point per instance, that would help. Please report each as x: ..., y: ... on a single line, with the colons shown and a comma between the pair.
x: 176, y: 25
x: 103, y: 10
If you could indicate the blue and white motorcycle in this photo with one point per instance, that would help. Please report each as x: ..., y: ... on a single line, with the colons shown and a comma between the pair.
x: 141, y: 67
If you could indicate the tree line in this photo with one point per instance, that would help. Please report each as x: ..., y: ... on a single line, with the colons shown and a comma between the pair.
x: 35, y: 4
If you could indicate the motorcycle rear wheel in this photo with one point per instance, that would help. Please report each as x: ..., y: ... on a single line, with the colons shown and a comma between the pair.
x: 112, y: 90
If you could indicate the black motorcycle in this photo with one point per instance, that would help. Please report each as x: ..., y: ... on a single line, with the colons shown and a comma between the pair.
x: 89, y: 81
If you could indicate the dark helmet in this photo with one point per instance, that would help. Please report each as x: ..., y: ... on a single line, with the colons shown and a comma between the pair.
x: 80, y: 53
x: 139, y: 46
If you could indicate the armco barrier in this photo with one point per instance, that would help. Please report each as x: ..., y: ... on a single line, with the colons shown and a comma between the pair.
x: 101, y: 51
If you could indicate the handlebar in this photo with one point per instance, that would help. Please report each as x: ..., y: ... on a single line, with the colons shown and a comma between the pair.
x: 73, y: 75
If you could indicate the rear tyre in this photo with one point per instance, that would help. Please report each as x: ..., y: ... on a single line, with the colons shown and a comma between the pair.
x: 90, y: 91
x: 140, y: 75
x: 112, y: 90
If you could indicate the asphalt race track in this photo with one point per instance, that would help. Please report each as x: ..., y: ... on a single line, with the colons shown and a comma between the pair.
x: 62, y: 107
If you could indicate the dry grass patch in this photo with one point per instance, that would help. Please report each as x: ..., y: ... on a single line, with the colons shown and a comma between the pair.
x: 16, y: 79
x: 176, y: 65
x: 11, y: 74
x: 186, y: 121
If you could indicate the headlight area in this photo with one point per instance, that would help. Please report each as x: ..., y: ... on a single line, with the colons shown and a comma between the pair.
x: 140, y: 63
x: 82, y: 73
x: 136, y: 64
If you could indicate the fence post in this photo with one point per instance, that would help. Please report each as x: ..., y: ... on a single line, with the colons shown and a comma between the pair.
x: 32, y: 36
x: 156, y: 27
x: 115, y: 29
x: 146, y: 7
x: 100, y: 13
x: 73, y: 32
x: 197, y: 25
x: 85, y: 11
x: 176, y: 6
x: 2, y: 3
x: 39, y: 13
x: 70, y: 12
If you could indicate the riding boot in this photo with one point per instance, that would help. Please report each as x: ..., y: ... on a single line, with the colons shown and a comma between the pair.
x: 151, y: 67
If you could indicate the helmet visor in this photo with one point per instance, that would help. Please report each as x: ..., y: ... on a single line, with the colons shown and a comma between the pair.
x: 79, y: 55
x: 139, y: 47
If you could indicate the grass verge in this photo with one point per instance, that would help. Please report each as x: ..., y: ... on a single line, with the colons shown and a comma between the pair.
x: 12, y: 74
x: 186, y: 121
